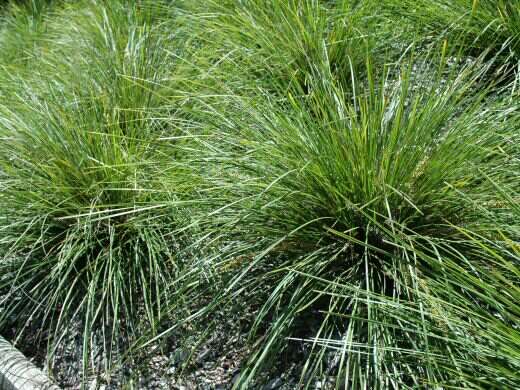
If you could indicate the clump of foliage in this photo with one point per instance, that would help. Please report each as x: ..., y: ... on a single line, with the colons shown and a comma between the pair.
x: 315, y: 205
x: 477, y: 25
x: 296, y: 160
x: 279, y: 46
x: 23, y: 26
x: 89, y: 186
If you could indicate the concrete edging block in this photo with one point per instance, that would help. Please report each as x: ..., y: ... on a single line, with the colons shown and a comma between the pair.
x: 18, y: 373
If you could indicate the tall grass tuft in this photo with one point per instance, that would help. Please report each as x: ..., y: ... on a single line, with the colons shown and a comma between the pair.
x: 278, y: 45
x: 89, y: 186
x: 316, y: 205
x: 23, y: 26
x: 357, y: 200
x: 476, y: 25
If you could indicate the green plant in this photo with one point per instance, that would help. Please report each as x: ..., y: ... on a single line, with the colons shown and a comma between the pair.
x: 314, y: 199
x: 89, y: 186
x: 22, y: 29
x: 280, y: 45
x: 476, y: 25
x: 159, y: 160
x: 457, y: 317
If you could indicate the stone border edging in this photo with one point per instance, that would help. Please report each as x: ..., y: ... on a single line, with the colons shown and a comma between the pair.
x: 18, y: 373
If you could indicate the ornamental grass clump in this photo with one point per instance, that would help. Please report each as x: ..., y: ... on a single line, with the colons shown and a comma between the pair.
x: 89, y: 187
x: 278, y: 45
x: 349, y: 198
x: 319, y: 202
x: 23, y: 26
x: 474, y: 25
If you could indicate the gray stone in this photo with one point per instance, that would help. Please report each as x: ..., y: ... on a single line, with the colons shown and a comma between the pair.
x: 273, y: 384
